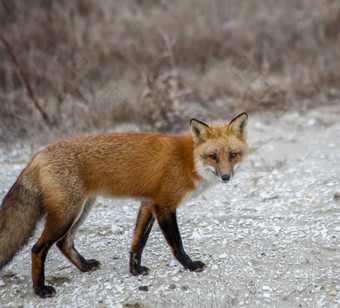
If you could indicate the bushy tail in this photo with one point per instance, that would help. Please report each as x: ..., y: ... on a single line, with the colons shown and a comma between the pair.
x: 20, y: 211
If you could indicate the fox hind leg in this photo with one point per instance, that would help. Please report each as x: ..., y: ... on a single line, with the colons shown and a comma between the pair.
x: 56, y: 227
x: 66, y: 244
x: 143, y: 227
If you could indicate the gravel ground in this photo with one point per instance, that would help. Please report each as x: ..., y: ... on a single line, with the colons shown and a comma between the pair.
x: 270, y: 238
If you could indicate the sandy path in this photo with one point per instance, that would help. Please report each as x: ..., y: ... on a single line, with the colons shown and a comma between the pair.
x: 269, y: 238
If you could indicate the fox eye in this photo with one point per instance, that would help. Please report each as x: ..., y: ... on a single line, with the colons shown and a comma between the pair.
x: 213, y: 156
x: 233, y: 155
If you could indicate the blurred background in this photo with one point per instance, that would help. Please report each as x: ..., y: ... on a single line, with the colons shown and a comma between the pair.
x: 93, y: 65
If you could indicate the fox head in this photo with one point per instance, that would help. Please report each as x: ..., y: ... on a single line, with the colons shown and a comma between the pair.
x: 218, y: 149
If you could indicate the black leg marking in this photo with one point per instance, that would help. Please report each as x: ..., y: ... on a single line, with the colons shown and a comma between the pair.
x: 50, y: 235
x: 143, y: 228
x: 169, y: 226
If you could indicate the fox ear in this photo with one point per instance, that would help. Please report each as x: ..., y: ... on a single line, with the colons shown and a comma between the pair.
x: 238, y: 126
x: 199, y: 130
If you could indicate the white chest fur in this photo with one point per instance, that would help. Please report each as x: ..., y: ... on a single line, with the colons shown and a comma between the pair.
x: 201, y: 186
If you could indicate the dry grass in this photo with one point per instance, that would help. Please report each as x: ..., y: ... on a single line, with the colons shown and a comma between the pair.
x: 158, y: 63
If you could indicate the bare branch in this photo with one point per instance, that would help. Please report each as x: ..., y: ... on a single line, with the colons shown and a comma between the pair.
x: 24, y: 80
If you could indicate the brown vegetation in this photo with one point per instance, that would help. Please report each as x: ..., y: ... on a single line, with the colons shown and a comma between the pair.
x: 93, y: 64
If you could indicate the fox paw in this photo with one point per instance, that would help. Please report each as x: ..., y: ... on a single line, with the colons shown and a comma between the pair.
x: 45, y: 291
x: 141, y: 270
x: 91, y: 265
x: 196, y: 266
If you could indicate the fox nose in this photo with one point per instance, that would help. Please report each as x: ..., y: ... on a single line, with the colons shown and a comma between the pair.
x: 225, y: 177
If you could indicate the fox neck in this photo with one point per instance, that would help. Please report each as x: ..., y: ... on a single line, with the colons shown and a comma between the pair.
x: 202, y: 179
x: 201, y: 185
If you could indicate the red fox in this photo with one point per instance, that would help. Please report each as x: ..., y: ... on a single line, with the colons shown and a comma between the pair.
x: 60, y: 183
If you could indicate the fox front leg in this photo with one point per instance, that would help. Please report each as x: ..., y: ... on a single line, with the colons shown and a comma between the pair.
x: 168, y: 224
x: 143, y: 227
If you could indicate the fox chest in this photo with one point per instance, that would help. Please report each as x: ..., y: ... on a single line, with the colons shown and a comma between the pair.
x: 200, y: 187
